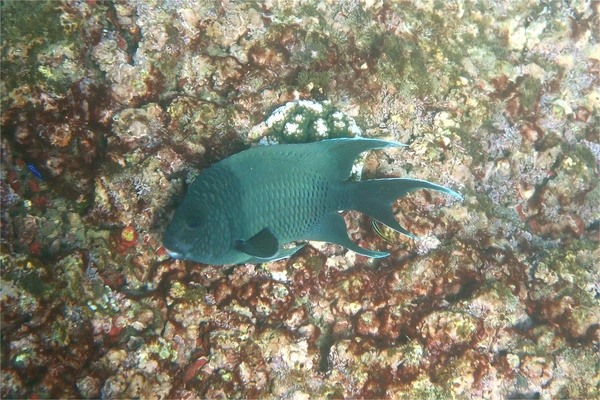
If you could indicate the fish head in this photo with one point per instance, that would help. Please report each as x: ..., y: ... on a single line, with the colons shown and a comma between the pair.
x: 197, y: 232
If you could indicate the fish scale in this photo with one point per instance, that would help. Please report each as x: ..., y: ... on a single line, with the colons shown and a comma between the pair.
x: 248, y: 207
x: 284, y: 205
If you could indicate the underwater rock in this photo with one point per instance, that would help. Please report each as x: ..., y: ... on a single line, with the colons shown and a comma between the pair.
x: 118, y: 106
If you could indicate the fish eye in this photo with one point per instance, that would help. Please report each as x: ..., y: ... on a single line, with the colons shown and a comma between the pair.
x: 193, y: 222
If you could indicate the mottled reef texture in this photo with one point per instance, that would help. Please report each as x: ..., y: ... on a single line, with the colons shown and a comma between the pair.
x: 119, y: 104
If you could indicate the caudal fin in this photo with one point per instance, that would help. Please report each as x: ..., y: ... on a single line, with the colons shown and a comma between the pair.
x: 375, y: 198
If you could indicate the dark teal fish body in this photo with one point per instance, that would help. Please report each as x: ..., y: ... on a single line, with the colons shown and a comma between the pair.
x: 244, y: 209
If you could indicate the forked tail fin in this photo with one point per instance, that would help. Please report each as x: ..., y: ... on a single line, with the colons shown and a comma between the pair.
x: 375, y: 197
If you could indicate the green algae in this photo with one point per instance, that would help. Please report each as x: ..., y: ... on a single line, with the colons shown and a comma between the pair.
x: 60, y: 333
x: 530, y: 91
x: 33, y: 284
x: 319, y: 80
x: 401, y: 62
x: 29, y: 29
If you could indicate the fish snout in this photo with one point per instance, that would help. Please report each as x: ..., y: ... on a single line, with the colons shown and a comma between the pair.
x: 173, y: 254
x: 173, y: 247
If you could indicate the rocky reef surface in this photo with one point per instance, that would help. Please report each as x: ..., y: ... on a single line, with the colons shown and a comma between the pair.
x: 109, y: 109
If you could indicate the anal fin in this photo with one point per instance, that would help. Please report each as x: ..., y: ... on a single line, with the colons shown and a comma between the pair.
x: 280, y: 255
x: 332, y: 229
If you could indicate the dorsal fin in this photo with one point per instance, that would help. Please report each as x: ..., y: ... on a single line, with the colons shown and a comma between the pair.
x: 262, y: 245
x: 338, y: 155
x: 281, y: 254
x: 333, y: 158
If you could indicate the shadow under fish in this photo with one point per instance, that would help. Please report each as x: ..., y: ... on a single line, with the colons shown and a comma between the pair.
x: 245, y: 208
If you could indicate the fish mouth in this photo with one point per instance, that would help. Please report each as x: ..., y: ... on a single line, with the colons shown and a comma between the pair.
x: 173, y: 254
x: 175, y: 247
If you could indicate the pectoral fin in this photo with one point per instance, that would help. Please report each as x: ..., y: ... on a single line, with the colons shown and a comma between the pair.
x: 262, y: 245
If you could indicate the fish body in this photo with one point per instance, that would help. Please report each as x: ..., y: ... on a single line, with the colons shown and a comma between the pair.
x: 35, y: 171
x: 246, y: 207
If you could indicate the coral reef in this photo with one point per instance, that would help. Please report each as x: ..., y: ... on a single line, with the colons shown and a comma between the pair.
x: 109, y: 110
x: 304, y: 122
